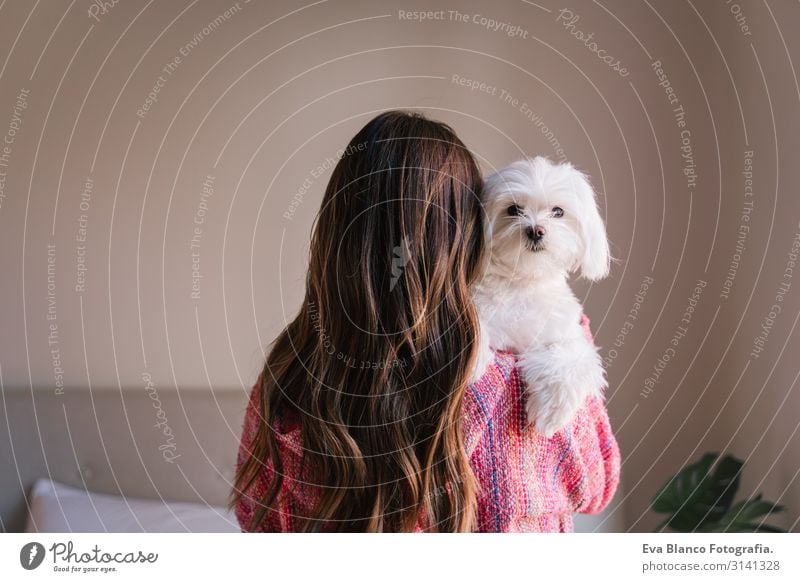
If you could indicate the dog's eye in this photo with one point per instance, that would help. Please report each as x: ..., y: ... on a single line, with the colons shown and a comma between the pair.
x: 558, y: 212
x: 514, y: 210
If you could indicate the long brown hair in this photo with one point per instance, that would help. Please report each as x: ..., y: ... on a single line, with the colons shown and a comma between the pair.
x: 376, y: 363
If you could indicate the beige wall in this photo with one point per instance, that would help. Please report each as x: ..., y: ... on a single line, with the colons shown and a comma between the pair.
x: 267, y: 94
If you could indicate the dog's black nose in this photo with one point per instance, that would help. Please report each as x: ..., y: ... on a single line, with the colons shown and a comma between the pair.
x: 535, y: 233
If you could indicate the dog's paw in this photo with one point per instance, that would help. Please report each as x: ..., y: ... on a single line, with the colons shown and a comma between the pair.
x: 482, y: 363
x: 548, y: 415
x: 590, y: 374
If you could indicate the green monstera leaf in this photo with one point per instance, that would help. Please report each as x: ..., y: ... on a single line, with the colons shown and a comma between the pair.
x: 700, y: 498
x: 746, y: 516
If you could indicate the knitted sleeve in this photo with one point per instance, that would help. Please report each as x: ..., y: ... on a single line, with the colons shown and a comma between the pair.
x: 294, y: 498
x: 581, y: 462
x: 246, y: 505
x: 592, y: 429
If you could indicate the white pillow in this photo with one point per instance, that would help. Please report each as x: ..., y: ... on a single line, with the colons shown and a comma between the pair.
x: 56, y: 507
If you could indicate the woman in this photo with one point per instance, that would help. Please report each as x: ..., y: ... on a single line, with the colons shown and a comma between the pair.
x: 362, y: 418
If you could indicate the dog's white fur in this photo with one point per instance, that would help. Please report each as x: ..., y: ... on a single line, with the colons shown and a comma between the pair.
x: 524, y: 301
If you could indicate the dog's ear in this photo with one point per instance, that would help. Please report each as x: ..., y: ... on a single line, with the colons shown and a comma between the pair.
x: 596, y: 260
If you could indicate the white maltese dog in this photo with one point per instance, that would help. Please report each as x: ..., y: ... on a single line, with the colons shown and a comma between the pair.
x: 542, y: 224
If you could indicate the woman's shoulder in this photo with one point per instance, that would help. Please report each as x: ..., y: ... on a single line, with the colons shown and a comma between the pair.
x: 533, y: 482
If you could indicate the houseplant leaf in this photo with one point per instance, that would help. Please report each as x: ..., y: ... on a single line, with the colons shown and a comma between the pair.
x: 746, y: 516
x: 697, y: 495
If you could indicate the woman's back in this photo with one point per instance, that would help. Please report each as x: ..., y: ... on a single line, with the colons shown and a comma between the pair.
x: 377, y: 360
x: 527, y: 482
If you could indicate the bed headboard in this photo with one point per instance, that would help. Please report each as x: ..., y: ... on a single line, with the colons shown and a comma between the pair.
x: 176, y: 445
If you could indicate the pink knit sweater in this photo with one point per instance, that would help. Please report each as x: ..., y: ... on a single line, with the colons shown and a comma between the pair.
x: 528, y: 483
